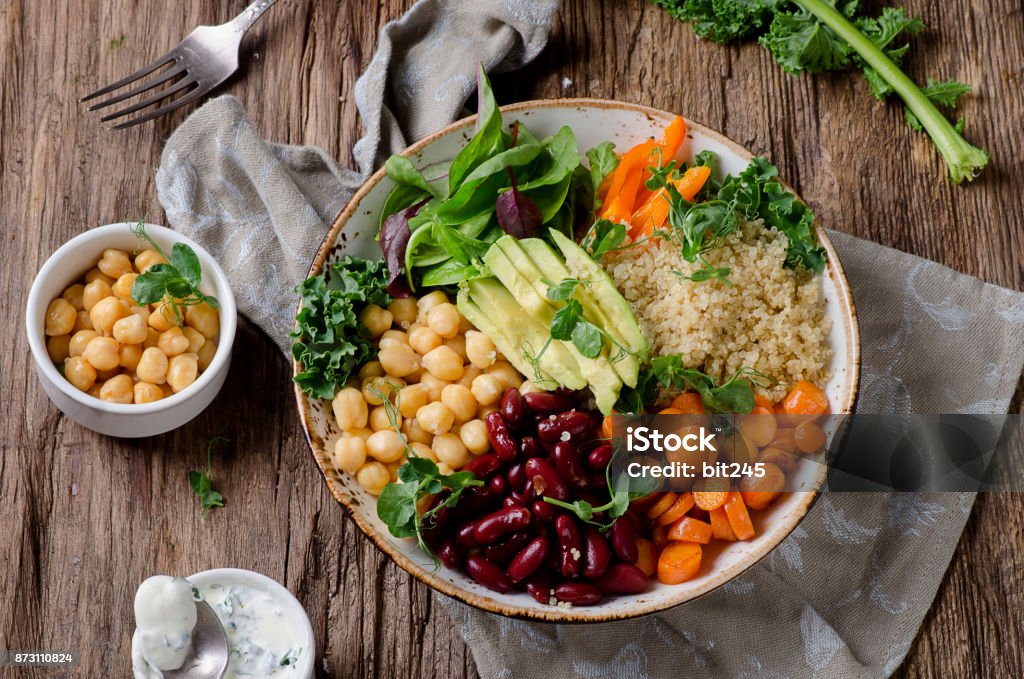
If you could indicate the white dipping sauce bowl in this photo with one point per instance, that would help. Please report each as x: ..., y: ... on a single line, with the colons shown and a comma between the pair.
x: 127, y: 420
x: 262, y: 583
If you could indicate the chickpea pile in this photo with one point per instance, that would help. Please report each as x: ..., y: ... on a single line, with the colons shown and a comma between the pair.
x: 119, y: 351
x: 442, y: 378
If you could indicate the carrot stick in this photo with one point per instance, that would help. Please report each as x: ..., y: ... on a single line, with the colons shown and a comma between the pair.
x: 739, y: 517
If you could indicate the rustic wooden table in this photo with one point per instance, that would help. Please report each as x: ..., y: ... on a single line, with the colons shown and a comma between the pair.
x: 86, y: 518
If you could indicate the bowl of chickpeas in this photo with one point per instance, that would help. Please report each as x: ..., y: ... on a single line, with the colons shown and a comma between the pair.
x: 116, y: 366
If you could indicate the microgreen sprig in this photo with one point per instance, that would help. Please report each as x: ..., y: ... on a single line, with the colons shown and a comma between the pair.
x: 200, y: 481
x: 174, y: 282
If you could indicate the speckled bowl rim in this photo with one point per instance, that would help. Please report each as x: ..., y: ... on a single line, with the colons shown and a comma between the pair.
x: 557, y: 614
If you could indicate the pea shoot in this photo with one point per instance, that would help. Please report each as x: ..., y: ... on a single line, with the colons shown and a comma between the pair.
x: 175, y: 281
x: 200, y: 481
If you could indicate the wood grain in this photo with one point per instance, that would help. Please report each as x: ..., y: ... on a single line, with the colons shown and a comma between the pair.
x: 87, y: 517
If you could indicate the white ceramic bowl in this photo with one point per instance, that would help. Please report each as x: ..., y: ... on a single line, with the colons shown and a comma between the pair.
x: 291, y: 605
x: 66, y: 266
x: 593, y: 121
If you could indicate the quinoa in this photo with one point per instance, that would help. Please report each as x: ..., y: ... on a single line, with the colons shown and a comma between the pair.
x: 772, y: 319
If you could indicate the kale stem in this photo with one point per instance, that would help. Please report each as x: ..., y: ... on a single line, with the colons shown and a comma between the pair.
x: 963, y: 160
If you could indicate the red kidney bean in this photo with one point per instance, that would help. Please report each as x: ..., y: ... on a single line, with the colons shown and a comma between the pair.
x: 545, y: 511
x: 500, y: 436
x: 434, y: 529
x: 483, y: 466
x: 516, y: 476
x: 539, y: 587
x: 505, y: 520
x: 623, y: 539
x: 547, y: 402
x: 569, y: 466
x: 513, y: 499
x: 451, y: 554
x: 544, y: 479
x: 497, y: 485
x: 529, y: 559
x: 570, y: 543
x: 487, y: 573
x: 596, y: 555
x: 578, y: 593
x: 511, y: 407
x: 464, y: 534
x: 577, y: 424
x: 529, y: 447
x: 507, y: 547
x: 622, y: 578
x: 473, y: 502
x: 598, y: 458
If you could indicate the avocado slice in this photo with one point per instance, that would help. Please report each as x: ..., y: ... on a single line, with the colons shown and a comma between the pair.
x: 513, y: 328
x: 545, y: 260
x: 598, y: 372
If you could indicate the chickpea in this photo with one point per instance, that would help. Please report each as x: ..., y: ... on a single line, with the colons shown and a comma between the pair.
x: 464, y: 324
x: 423, y: 450
x: 469, y: 373
x: 415, y: 376
x: 399, y: 335
x: 396, y: 357
x: 458, y: 345
x: 144, y: 392
x: 203, y: 318
x: 74, y: 295
x: 60, y: 317
x: 377, y: 321
x: 76, y: 347
x: 95, y: 274
x: 373, y: 476
x: 506, y: 374
x: 443, y: 363
x: 142, y: 312
x: 152, y: 366
x: 474, y: 436
x: 376, y: 389
x: 122, y: 289
x: 118, y: 389
x: 106, y: 312
x: 809, y: 437
x: 403, y: 312
x: 148, y: 258
x: 429, y: 301
x: 460, y: 401
x: 172, y: 342
x: 361, y: 433
x: 206, y: 354
x: 349, y: 454
x: 182, y: 371
x: 424, y: 340
x: 129, y: 356
x: 442, y: 468
x: 487, y: 410
x: 527, y: 387
x: 130, y: 330
x: 168, y: 392
x: 480, y: 349
x: 371, y: 369
x: 386, y: 445
x: 433, y: 385
x: 414, y: 433
x: 350, y: 409
x: 450, y: 450
x: 411, y: 399
x: 58, y: 347
x: 435, y: 418
x: 163, y: 318
x: 487, y: 389
x: 101, y: 352
x: 114, y: 263
x: 94, y: 390
x: 79, y: 373
x: 152, y: 337
x: 83, y: 321
x: 444, y: 320
x: 195, y: 338
x: 94, y: 292
x: 104, y: 375
x: 379, y: 419
x: 757, y: 428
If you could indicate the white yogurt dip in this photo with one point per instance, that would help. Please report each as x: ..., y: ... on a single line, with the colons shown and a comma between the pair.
x: 165, y: 615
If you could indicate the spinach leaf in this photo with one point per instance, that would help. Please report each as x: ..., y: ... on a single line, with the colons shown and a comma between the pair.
x: 404, y: 173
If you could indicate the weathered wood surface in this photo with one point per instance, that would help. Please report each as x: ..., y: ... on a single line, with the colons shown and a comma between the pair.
x: 85, y: 518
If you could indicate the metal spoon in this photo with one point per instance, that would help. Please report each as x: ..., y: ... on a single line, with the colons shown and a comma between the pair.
x: 208, y: 657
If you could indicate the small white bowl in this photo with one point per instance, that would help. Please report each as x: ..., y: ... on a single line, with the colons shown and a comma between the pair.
x: 258, y: 581
x: 66, y: 266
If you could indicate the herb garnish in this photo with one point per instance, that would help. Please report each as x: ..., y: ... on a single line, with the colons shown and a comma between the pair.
x: 617, y: 505
x: 735, y: 395
x: 200, y: 481
x: 175, y: 283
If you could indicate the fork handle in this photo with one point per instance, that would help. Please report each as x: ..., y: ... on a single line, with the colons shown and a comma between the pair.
x: 244, y: 21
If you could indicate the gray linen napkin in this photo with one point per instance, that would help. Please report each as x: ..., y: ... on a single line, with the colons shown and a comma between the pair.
x: 845, y: 594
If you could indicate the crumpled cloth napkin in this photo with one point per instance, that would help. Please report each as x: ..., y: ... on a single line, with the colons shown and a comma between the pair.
x: 845, y: 593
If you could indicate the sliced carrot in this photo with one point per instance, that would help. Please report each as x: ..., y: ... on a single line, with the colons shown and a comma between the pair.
x: 679, y: 562
x: 720, y: 528
x: 679, y: 508
x: 739, y: 517
x: 653, y: 211
x: 689, y: 529
x: 647, y: 561
x: 672, y: 138
x: 659, y: 507
x: 710, y: 499
x: 805, y: 398
x: 607, y: 426
x: 670, y: 411
x: 659, y: 536
x: 689, y: 403
x: 627, y: 177
x: 644, y: 502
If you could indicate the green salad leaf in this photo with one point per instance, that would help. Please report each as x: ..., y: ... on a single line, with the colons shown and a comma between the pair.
x: 328, y: 340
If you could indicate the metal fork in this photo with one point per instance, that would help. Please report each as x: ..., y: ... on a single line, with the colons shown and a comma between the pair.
x: 203, y: 60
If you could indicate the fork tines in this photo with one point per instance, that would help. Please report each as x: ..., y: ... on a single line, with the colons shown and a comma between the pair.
x: 185, y: 83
